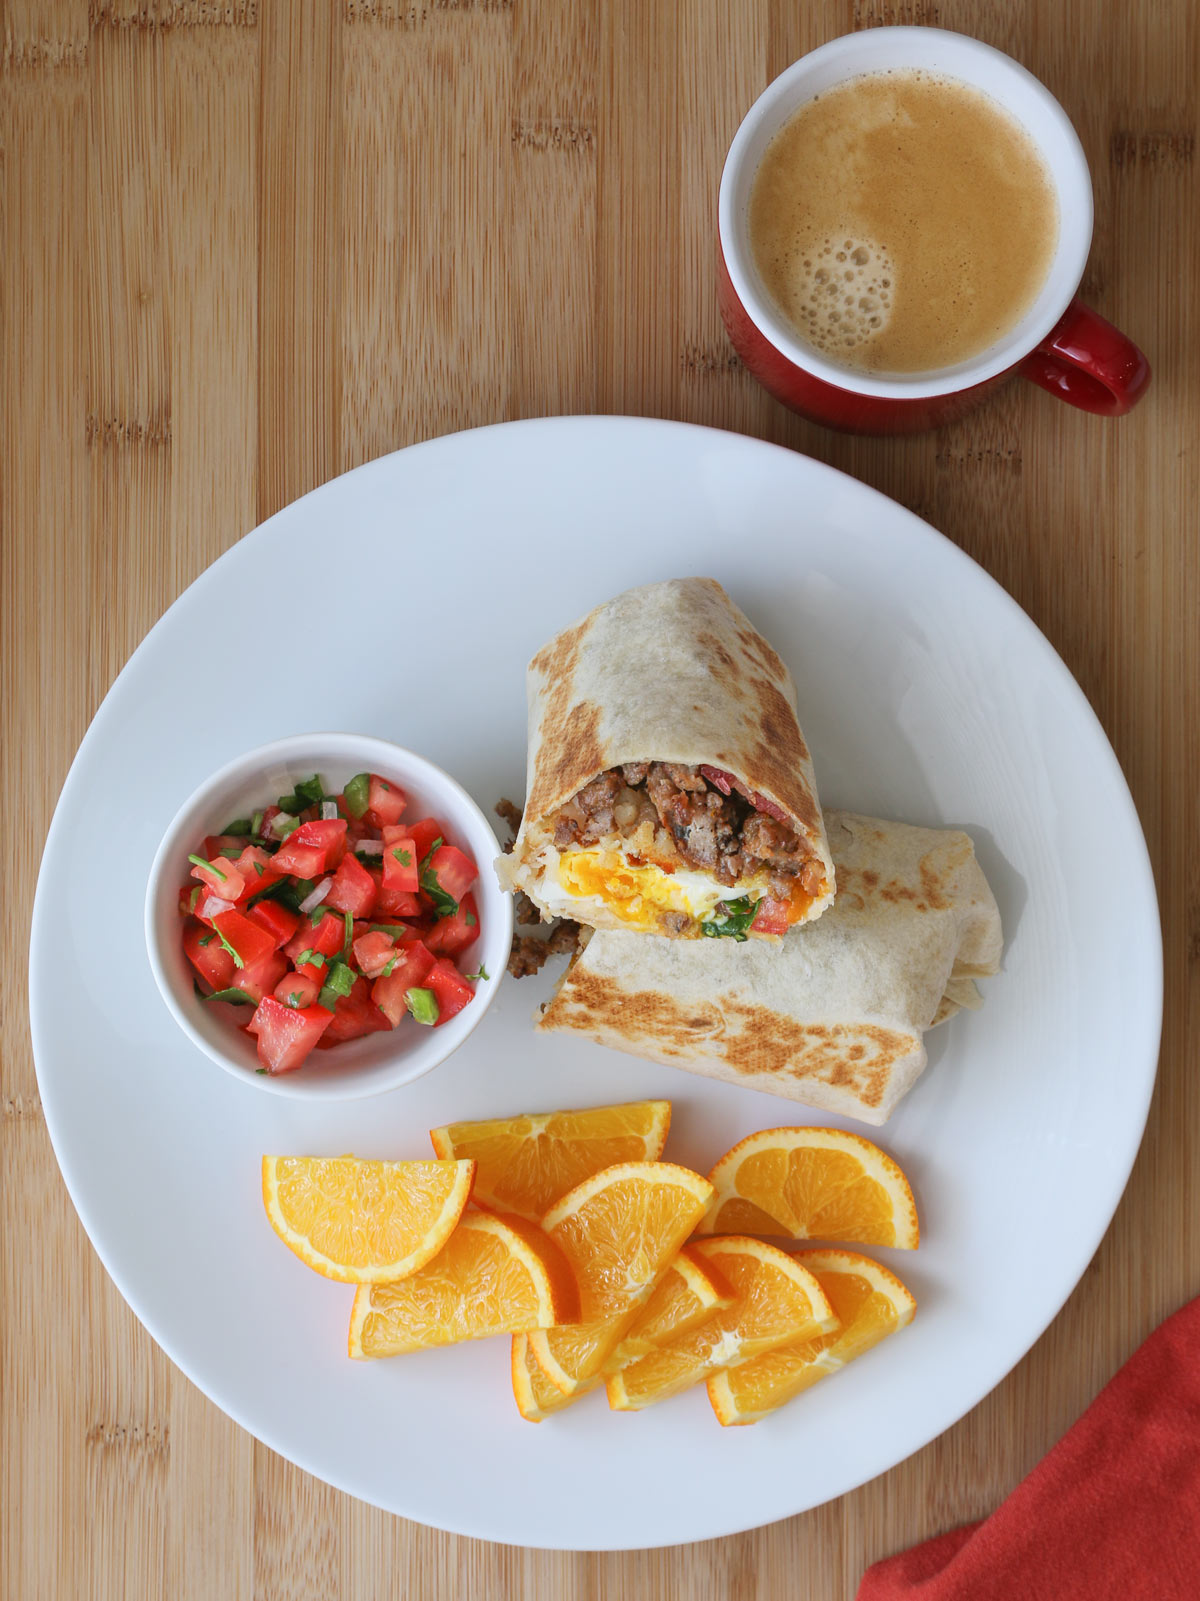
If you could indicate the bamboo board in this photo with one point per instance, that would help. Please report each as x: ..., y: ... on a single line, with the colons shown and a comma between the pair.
x: 248, y: 244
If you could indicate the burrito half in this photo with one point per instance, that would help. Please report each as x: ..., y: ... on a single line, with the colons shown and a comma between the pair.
x: 669, y: 787
x: 832, y: 1017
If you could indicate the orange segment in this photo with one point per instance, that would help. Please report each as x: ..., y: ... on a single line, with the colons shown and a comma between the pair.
x: 524, y: 1164
x: 536, y: 1397
x: 492, y: 1276
x: 776, y: 1302
x: 870, y: 1302
x: 363, y: 1222
x: 813, y: 1184
x: 688, y: 1293
x: 619, y: 1231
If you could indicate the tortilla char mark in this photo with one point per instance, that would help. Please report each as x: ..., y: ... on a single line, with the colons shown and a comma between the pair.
x: 780, y: 752
x: 579, y: 756
x: 859, y: 1057
x: 590, y: 1001
x: 754, y: 1041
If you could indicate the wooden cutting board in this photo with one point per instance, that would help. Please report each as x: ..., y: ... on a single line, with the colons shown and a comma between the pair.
x: 248, y: 244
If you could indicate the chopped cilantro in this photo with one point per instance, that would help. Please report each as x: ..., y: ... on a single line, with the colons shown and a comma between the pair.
x: 240, y: 825
x: 402, y: 856
x: 288, y: 892
x: 482, y: 973
x: 310, y: 792
x: 731, y: 919
x: 198, y: 861
x: 237, y: 961
x: 256, y: 823
x: 394, y: 929
x: 207, y: 939
x: 236, y: 996
x: 311, y: 958
x: 356, y: 794
x: 387, y: 972
x: 423, y: 1006
x: 231, y: 852
x: 348, y: 940
x: 443, y: 905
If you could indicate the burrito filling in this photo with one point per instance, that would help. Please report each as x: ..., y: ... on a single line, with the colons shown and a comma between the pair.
x: 665, y: 847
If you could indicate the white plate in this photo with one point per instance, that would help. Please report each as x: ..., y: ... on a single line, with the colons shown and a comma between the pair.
x: 412, y: 592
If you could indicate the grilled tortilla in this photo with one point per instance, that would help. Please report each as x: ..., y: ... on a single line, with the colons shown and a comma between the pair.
x: 835, y: 1015
x: 669, y: 789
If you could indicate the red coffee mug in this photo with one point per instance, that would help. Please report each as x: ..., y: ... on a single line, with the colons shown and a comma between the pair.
x: 1061, y: 344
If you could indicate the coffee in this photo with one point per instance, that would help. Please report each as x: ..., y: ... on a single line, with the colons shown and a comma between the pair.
x: 902, y: 222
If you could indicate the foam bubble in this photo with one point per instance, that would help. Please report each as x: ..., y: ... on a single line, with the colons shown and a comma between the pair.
x: 841, y: 306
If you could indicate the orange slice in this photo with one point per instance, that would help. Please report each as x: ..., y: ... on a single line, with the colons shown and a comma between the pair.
x: 363, y: 1222
x: 689, y: 1292
x: 536, y: 1397
x: 524, y: 1164
x: 619, y: 1230
x: 870, y: 1302
x: 812, y: 1184
x: 776, y: 1302
x: 492, y: 1276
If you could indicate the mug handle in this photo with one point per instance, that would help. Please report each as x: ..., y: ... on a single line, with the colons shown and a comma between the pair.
x: 1088, y: 362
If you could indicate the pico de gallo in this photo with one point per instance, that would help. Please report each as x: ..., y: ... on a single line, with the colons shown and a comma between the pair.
x: 331, y: 916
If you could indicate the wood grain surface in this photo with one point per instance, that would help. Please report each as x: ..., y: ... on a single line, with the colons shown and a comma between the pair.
x: 248, y: 244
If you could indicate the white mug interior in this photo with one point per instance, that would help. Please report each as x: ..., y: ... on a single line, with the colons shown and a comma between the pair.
x: 966, y: 60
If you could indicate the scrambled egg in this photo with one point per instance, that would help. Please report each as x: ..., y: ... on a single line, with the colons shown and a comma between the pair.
x: 637, y: 895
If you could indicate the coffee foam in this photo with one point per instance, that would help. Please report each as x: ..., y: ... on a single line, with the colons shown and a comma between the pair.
x: 840, y: 291
x: 901, y: 222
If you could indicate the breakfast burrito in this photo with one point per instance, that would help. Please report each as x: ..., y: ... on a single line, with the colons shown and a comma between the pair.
x: 669, y: 787
x: 834, y: 1015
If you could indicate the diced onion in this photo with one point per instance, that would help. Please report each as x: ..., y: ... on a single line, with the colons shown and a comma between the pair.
x: 369, y: 847
x: 329, y: 811
x: 314, y: 899
x: 281, y: 823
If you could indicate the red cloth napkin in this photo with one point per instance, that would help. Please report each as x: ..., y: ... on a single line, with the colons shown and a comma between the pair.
x: 1113, y: 1511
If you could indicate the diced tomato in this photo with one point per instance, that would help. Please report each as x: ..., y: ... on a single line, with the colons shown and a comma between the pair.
x: 304, y: 861
x: 307, y: 849
x: 257, y: 979
x: 208, y: 956
x: 373, y: 951
x: 385, y: 802
x: 355, y: 1014
x: 325, y: 938
x: 286, y: 1036
x: 278, y: 921
x: 771, y: 917
x: 398, y: 903
x: 454, y: 871
x: 424, y: 833
x: 389, y: 993
x: 297, y: 990
x: 257, y: 867
x: 450, y: 989
x: 353, y: 889
x: 401, y: 863
x: 250, y: 940
x: 222, y: 877
x: 270, y: 813
x: 451, y: 935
